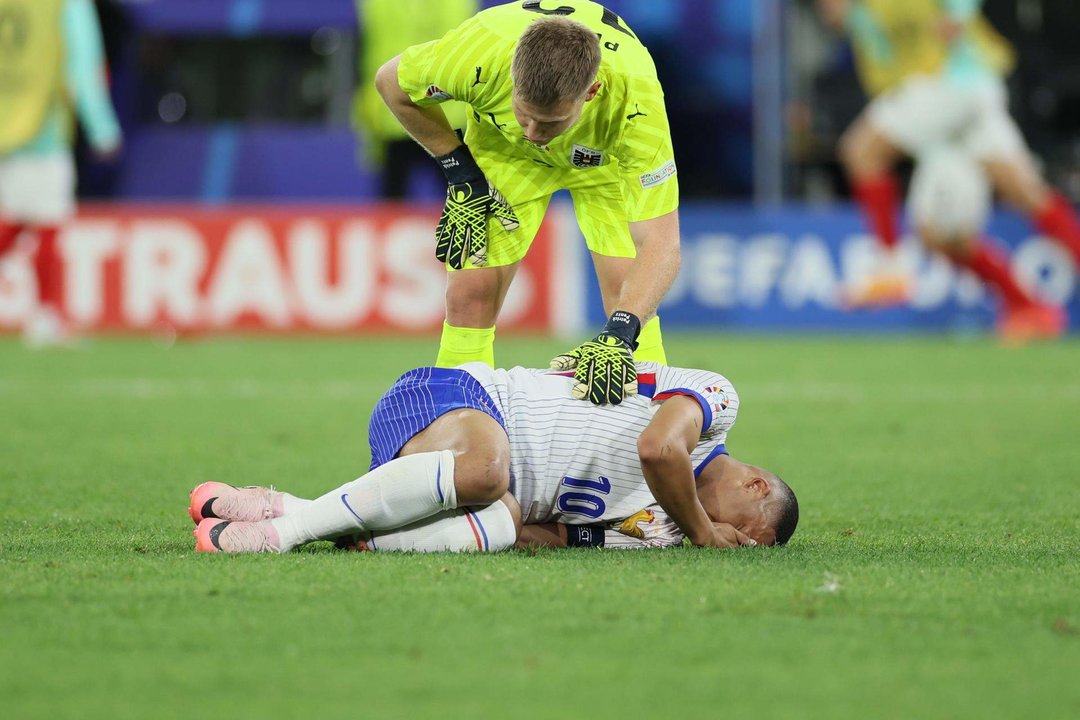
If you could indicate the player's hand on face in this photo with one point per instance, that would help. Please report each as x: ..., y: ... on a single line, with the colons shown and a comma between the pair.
x: 604, y: 370
x: 725, y: 535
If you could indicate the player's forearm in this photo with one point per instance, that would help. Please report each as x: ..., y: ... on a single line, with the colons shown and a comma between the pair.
x: 551, y: 535
x: 427, y: 125
x: 670, y: 476
x: 86, y: 76
x: 655, y: 267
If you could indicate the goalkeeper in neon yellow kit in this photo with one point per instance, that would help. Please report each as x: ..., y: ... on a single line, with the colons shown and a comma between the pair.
x: 562, y: 96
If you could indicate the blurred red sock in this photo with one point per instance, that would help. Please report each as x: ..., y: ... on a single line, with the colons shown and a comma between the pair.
x: 992, y: 267
x: 8, y: 235
x: 47, y: 268
x: 1058, y: 220
x: 878, y: 197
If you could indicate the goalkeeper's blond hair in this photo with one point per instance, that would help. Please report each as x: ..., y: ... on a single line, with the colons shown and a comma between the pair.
x: 556, y: 59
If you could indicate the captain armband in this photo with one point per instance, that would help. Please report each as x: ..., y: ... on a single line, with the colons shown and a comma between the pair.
x: 584, y: 536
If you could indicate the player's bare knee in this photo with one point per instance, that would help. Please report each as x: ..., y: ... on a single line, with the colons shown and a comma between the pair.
x: 495, y: 479
x: 931, y: 237
x: 1018, y: 182
x: 471, y: 307
x: 481, y: 479
x: 473, y: 297
x: 848, y: 150
x: 952, y: 245
x: 856, y: 148
x: 865, y: 151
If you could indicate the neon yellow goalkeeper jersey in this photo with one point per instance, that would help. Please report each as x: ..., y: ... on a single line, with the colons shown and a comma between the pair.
x: 622, y: 135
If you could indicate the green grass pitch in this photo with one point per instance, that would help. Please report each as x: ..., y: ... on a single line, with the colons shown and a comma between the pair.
x: 935, y: 573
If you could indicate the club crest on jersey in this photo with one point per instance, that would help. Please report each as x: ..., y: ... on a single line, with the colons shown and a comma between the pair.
x: 437, y: 93
x: 585, y: 157
x: 717, y: 398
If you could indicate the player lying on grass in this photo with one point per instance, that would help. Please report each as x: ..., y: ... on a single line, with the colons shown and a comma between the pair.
x: 461, y: 439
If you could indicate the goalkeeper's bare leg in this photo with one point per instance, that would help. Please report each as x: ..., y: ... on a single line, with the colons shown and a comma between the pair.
x: 461, y: 459
x: 474, y: 297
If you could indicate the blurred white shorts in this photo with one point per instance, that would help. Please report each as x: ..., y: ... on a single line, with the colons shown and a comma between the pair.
x: 37, y: 189
x: 926, y: 111
x: 949, y: 193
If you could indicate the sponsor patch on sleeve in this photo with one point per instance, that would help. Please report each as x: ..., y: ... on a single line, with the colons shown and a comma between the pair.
x: 717, y: 398
x: 661, y: 174
x: 437, y: 93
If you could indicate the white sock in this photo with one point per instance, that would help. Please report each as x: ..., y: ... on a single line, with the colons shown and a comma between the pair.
x: 487, y: 529
x: 291, y: 503
x: 402, y: 491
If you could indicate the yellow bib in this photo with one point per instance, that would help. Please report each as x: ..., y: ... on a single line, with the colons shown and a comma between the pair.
x: 31, y: 58
x: 911, y: 43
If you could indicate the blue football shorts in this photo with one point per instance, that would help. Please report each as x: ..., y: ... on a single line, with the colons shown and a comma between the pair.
x: 415, y: 401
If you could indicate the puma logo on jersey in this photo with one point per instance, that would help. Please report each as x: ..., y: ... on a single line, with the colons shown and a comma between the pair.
x: 478, y: 81
x: 584, y: 157
x: 637, y: 112
x: 498, y: 125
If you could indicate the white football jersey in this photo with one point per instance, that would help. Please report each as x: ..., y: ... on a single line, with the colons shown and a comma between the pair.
x: 650, y: 528
x: 577, y: 463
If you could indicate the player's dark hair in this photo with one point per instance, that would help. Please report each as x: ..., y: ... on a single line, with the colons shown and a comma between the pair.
x: 556, y: 59
x: 785, y: 509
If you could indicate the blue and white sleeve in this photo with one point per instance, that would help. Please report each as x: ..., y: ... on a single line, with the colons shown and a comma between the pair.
x: 715, y: 394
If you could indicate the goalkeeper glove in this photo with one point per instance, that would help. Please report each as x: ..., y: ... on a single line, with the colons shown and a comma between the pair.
x: 462, y: 231
x: 604, y: 370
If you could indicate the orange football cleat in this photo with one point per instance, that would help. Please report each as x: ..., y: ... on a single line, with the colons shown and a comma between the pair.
x: 1037, y: 321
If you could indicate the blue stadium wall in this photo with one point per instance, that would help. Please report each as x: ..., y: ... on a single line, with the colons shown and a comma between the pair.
x: 784, y: 269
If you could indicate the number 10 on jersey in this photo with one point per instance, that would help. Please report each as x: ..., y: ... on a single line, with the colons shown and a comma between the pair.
x: 583, y: 497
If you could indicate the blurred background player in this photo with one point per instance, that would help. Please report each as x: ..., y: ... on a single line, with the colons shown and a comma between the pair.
x: 934, y: 69
x: 450, y: 438
x: 386, y: 27
x: 51, y: 61
x: 949, y: 203
x: 551, y: 108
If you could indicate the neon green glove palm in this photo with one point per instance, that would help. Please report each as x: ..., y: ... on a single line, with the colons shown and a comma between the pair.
x: 604, y: 370
x: 461, y: 235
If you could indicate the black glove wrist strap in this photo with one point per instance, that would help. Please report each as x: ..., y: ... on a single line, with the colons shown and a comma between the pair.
x: 625, y: 326
x: 458, y: 166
